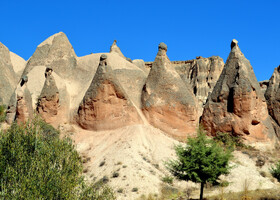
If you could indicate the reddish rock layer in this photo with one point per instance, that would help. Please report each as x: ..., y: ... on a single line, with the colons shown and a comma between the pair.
x: 105, y: 105
x: 237, y: 104
x: 167, y: 101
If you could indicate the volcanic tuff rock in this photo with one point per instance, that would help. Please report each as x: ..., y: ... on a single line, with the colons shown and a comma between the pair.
x: 272, y: 96
x: 20, y: 106
x: 8, y: 77
x: 237, y: 104
x: 141, y: 64
x: 55, y: 52
x: 202, y: 74
x: 105, y: 104
x: 264, y: 85
x: 167, y: 101
x: 48, y: 101
x: 115, y: 49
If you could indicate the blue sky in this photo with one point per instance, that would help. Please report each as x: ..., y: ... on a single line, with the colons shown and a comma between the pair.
x: 189, y: 28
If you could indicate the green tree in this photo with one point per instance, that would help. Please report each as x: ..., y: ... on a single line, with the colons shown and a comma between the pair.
x: 275, y: 171
x: 35, y: 163
x: 201, y: 160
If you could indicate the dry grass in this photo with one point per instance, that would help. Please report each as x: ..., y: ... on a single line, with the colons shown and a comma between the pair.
x: 250, y: 195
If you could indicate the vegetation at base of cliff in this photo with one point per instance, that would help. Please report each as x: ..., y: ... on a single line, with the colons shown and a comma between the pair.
x: 35, y: 163
x: 275, y: 171
x: 2, y: 113
x: 229, y: 140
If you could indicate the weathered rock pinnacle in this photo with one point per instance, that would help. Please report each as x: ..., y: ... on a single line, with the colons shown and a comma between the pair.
x: 237, y: 104
x: 105, y: 104
x: 167, y: 101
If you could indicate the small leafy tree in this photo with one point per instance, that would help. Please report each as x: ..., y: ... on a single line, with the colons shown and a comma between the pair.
x: 275, y: 171
x: 201, y: 160
x: 35, y: 163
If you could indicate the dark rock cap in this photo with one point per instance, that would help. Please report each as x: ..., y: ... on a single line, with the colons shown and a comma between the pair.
x: 24, y: 80
x: 103, y: 57
x: 234, y: 43
x: 162, y: 46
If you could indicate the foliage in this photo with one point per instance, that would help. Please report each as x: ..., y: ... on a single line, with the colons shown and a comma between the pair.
x: 2, y: 113
x: 167, y: 179
x: 201, y: 160
x: 97, y: 191
x: 36, y: 164
x: 275, y: 171
x: 228, y: 140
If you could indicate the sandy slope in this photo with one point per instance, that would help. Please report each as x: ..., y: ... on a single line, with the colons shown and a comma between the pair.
x: 138, y: 153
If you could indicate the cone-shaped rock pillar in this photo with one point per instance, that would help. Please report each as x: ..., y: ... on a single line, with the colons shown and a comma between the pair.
x: 167, y: 101
x: 114, y: 48
x: 48, y: 101
x: 105, y: 104
x: 237, y: 104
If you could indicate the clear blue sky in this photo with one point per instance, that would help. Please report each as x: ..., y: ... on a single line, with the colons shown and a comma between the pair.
x: 189, y: 28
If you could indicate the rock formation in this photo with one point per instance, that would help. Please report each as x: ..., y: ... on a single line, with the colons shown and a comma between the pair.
x: 115, y: 49
x: 141, y: 64
x: 48, y: 101
x: 105, y: 104
x: 202, y: 74
x: 237, y: 104
x: 55, y: 52
x: 167, y: 101
x: 272, y: 96
x: 264, y: 85
x: 20, y: 106
x: 8, y: 80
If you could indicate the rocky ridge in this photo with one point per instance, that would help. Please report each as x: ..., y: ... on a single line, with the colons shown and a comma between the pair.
x: 115, y: 106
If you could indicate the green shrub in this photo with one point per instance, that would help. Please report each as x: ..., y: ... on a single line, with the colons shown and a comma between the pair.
x: 275, y: 171
x: 167, y: 179
x: 36, y: 164
x: 228, y: 140
x: 2, y: 113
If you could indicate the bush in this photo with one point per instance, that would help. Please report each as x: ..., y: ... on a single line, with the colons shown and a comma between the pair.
x: 228, y: 140
x: 2, y: 113
x: 36, y: 164
x: 275, y: 171
x: 167, y: 179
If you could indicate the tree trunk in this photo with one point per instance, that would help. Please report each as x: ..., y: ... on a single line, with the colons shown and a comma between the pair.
x: 201, y: 191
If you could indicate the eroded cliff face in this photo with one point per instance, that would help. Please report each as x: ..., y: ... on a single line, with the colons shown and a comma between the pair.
x: 106, y: 105
x: 11, y: 67
x: 112, y: 92
x: 167, y: 101
x: 237, y: 104
x: 201, y: 74
x: 272, y: 95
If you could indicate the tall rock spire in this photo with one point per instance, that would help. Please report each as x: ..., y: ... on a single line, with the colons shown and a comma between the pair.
x: 167, y: 101
x: 105, y: 104
x: 237, y: 104
x: 48, y: 101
